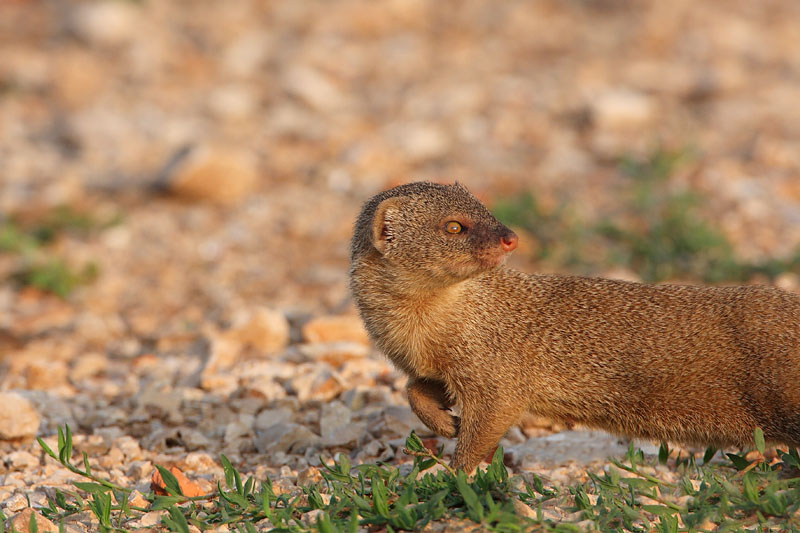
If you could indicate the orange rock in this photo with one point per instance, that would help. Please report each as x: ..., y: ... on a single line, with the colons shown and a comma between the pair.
x: 267, y: 330
x: 310, y: 475
x: 335, y: 329
x: 336, y: 353
x: 19, y: 418
x: 79, y: 80
x: 146, y: 360
x: 188, y: 487
x: 22, y: 522
x: 217, y: 176
x: 44, y: 375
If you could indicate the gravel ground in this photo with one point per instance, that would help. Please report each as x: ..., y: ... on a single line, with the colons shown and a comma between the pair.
x: 233, y: 143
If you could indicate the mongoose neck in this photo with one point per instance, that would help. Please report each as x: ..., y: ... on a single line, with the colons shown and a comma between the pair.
x: 404, y: 318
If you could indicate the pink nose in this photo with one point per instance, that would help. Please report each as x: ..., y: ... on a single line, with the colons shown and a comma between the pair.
x: 509, y: 242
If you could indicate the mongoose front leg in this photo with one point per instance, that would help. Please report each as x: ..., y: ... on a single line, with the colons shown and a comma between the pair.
x: 483, y: 423
x: 431, y: 404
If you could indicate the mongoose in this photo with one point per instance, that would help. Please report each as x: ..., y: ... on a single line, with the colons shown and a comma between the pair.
x: 698, y: 365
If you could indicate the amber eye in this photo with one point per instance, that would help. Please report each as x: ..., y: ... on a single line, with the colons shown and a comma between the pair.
x: 453, y: 227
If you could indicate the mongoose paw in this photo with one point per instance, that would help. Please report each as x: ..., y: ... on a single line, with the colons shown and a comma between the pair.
x: 451, y: 426
x: 457, y: 425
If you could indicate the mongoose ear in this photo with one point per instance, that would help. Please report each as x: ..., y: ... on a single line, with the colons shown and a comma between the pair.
x: 459, y: 185
x: 383, y: 224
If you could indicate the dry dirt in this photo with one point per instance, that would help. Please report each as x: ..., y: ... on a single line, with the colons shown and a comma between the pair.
x: 234, y: 142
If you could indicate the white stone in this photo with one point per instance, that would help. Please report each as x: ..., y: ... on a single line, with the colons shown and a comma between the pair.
x: 622, y: 109
x: 314, y: 88
x: 334, y: 417
x: 151, y: 519
x: 130, y: 447
x: 337, y: 427
x: 311, y: 518
x: 266, y: 388
x: 246, y: 53
x: 316, y: 382
x: 399, y: 420
x: 15, y: 503
x: 236, y: 430
x: 21, y: 460
x: 233, y: 101
x: 421, y: 141
x: 270, y: 417
x: 201, y: 462
x: 107, y: 23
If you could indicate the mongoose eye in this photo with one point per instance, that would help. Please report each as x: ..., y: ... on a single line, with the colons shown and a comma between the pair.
x: 453, y: 227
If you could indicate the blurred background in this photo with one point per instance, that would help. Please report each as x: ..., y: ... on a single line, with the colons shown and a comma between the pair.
x: 654, y: 139
x: 170, y: 167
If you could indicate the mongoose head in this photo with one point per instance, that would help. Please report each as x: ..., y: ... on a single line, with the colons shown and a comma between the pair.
x: 438, y: 234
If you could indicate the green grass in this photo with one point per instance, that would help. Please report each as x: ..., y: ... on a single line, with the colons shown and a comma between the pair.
x: 55, y: 276
x: 656, y: 231
x: 726, y: 493
x: 38, y: 266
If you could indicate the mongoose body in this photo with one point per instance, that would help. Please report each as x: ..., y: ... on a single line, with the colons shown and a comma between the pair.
x: 699, y: 365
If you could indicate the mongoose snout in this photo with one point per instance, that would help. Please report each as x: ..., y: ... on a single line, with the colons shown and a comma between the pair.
x: 698, y: 365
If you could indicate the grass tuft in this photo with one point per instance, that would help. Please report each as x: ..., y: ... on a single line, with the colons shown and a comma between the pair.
x: 730, y: 494
x: 38, y: 266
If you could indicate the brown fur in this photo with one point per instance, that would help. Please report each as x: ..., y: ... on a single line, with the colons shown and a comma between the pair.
x: 699, y: 365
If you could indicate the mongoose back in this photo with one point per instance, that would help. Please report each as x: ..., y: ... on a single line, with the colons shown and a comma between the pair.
x: 698, y: 365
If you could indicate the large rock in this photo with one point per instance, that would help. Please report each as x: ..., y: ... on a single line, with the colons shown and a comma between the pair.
x: 581, y: 446
x: 334, y: 416
x: 21, y: 460
x: 270, y: 417
x: 398, y: 421
x: 46, y: 375
x: 22, y: 522
x: 336, y: 426
x: 285, y: 437
x: 215, y: 175
x: 18, y: 417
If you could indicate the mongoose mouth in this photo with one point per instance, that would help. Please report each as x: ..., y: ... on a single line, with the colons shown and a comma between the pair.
x: 493, y: 259
x: 466, y: 268
x: 496, y: 255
